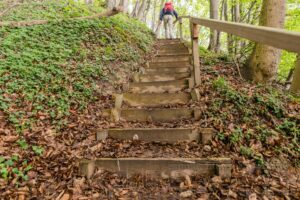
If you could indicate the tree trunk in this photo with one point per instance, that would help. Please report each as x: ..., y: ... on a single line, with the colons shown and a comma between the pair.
x: 214, y: 7
x: 229, y: 36
x: 263, y: 63
x: 237, y: 18
x: 154, y: 17
x: 144, y: 18
x: 89, y: 2
x: 141, y: 10
x: 124, y: 4
x: 110, y: 4
x: 136, y: 8
x: 295, y: 87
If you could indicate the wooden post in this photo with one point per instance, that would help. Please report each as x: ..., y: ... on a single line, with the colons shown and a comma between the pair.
x: 195, y: 53
x: 180, y: 28
x: 295, y: 87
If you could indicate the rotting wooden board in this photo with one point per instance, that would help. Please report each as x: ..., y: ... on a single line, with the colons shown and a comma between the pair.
x: 184, y: 52
x: 176, y: 51
x: 153, y: 77
x: 169, y: 64
x: 158, y: 87
x: 156, y: 99
x: 158, y: 114
x: 159, y: 167
x: 169, y: 135
x: 152, y: 134
x: 172, y: 70
x: 167, y: 59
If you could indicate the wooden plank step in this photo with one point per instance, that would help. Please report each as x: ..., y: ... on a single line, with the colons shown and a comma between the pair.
x: 169, y: 64
x: 159, y: 76
x: 172, y: 70
x: 156, y: 99
x: 158, y: 114
x: 173, y: 53
x: 159, y: 167
x: 168, y: 40
x: 168, y: 43
x: 175, y: 45
x: 176, y: 58
x: 169, y: 135
x: 157, y: 87
x: 177, y: 50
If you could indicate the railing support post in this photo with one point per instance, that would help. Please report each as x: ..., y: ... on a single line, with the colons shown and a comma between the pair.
x: 195, y: 51
x: 180, y: 28
x: 295, y: 87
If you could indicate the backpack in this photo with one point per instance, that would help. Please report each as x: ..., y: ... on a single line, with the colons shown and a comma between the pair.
x: 168, y: 7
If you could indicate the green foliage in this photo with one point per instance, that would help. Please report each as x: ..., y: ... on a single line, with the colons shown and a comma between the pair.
x: 51, y: 10
x: 228, y: 92
x: 23, y: 144
x: 288, y: 62
x: 292, y: 23
x: 245, y: 151
x: 211, y: 58
x: 55, y: 66
x: 38, y: 150
x: 9, y: 169
x: 271, y: 102
x: 290, y: 128
x: 236, y: 136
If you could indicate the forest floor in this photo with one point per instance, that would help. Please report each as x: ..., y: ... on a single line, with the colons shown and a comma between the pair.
x: 258, y: 128
x: 50, y: 111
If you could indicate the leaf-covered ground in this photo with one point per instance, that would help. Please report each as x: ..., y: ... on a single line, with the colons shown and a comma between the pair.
x: 57, y: 78
x: 258, y: 127
x: 50, y: 73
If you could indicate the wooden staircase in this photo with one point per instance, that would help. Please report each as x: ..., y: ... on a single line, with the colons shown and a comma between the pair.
x: 163, y: 82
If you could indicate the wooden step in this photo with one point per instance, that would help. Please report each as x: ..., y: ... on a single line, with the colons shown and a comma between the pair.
x: 169, y: 64
x: 159, y: 167
x: 172, y: 70
x: 173, y: 53
x: 158, y: 114
x: 176, y: 58
x: 156, y: 99
x: 168, y: 43
x: 178, y: 50
x: 157, y: 87
x: 172, y: 46
x: 168, y: 40
x: 169, y: 135
x: 159, y: 76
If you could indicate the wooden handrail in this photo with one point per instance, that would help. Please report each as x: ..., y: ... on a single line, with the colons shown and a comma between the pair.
x: 279, y: 38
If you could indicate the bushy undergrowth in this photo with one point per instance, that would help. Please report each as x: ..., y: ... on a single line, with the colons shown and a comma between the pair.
x: 50, y: 10
x: 260, y: 123
x: 47, y: 69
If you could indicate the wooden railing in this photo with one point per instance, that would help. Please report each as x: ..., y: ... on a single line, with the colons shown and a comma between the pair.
x: 278, y: 38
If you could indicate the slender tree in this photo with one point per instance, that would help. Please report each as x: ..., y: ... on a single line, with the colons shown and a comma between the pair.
x: 141, y: 10
x: 110, y: 4
x: 135, y: 9
x: 263, y: 63
x: 295, y: 87
x: 214, y: 13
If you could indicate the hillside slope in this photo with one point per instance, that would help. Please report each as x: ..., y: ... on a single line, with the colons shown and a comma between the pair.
x: 56, y: 80
x: 52, y: 73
